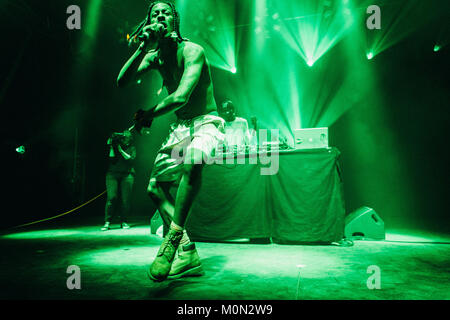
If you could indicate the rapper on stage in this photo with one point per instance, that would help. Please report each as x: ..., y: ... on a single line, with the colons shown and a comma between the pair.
x: 186, y: 75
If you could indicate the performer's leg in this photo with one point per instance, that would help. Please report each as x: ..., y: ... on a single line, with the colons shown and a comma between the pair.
x: 159, y: 192
x: 187, y: 191
x: 187, y: 261
x: 203, y: 143
x: 199, y: 151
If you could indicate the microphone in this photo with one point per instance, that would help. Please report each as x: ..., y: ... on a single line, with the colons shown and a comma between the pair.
x: 145, y: 35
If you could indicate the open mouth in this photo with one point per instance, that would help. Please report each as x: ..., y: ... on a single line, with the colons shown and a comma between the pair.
x: 164, y: 23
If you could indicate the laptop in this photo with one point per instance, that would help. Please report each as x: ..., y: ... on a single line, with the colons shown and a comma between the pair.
x: 312, y: 138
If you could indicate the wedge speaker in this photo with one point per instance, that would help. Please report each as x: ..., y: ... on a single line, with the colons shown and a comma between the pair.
x: 364, y: 223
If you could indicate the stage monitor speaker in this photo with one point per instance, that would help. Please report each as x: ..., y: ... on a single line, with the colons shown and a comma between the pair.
x: 364, y: 223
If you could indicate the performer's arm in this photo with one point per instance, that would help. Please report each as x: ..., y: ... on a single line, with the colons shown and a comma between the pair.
x: 144, y: 57
x: 139, y: 63
x: 193, y: 66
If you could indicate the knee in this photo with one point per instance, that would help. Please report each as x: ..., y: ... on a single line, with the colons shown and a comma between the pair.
x: 154, y: 191
x: 152, y: 188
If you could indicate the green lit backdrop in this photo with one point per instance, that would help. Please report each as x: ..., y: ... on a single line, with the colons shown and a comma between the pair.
x: 292, y: 64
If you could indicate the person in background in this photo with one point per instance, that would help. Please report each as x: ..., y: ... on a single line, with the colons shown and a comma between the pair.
x: 119, y: 178
x: 238, y: 137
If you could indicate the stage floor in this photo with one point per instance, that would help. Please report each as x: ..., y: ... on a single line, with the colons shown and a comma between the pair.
x: 113, y: 264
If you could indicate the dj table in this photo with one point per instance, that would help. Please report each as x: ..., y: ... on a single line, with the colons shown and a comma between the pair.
x: 302, y: 203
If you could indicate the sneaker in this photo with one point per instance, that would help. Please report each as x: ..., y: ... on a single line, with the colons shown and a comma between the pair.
x: 186, y: 263
x: 160, y: 268
x: 124, y: 225
x: 105, y: 227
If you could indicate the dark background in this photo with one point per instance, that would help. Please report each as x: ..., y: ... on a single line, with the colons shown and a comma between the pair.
x: 52, y: 92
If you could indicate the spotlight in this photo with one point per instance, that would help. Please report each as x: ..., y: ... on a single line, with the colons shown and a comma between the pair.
x: 436, y: 48
x: 20, y: 150
x: 233, y: 70
x: 310, y: 62
x: 369, y: 56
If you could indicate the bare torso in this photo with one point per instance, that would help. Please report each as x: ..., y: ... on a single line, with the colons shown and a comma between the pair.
x: 171, y: 70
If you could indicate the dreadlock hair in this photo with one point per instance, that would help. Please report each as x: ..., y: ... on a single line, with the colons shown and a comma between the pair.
x: 176, y: 22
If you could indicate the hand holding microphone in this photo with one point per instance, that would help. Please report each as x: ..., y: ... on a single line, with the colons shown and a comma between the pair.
x: 153, y: 32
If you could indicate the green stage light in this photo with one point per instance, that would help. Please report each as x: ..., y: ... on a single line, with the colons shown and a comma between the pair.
x: 436, y: 48
x: 233, y: 70
x: 398, y: 21
x: 368, y: 127
x: 90, y: 29
x: 20, y: 150
x: 43, y: 234
x: 286, y: 85
x: 312, y: 28
x: 211, y: 24
x: 92, y: 19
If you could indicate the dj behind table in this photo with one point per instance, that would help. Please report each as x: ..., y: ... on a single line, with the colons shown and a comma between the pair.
x: 272, y: 191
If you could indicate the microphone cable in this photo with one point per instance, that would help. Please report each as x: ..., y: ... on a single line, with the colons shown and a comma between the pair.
x: 60, y: 215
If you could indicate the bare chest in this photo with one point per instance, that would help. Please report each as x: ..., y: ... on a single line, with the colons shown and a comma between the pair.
x: 171, y: 70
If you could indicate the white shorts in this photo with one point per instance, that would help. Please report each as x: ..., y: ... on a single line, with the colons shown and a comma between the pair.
x: 200, y: 135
